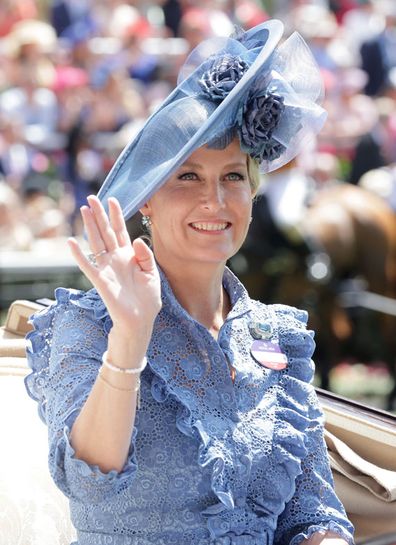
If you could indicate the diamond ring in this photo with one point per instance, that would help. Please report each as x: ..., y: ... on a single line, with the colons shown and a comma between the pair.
x: 93, y: 257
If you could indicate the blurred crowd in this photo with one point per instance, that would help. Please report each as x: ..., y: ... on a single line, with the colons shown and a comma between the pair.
x: 79, y: 77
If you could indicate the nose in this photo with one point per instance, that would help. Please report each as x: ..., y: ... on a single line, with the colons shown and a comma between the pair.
x: 213, y: 195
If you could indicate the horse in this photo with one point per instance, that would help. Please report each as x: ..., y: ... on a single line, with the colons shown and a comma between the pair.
x: 347, y: 232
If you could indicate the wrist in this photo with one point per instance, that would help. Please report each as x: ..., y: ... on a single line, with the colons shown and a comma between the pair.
x: 122, y: 370
x: 131, y: 335
x: 121, y: 379
x: 127, y: 351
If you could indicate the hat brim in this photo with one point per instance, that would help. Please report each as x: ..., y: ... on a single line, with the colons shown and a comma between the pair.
x: 120, y: 184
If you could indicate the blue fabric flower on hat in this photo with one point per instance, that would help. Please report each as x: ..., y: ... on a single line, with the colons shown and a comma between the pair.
x: 258, y: 118
x: 258, y: 115
x: 221, y: 78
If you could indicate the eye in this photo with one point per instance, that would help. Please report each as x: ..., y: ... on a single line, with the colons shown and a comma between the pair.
x: 187, y: 176
x: 235, y: 177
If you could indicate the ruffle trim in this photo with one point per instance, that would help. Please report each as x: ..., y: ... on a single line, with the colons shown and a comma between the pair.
x: 88, y: 300
x: 330, y: 526
x: 228, y: 518
x: 96, y: 485
x: 38, y: 340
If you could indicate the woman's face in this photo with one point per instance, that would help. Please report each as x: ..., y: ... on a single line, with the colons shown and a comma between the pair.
x: 202, y: 212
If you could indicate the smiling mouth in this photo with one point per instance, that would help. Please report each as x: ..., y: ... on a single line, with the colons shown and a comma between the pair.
x: 205, y: 226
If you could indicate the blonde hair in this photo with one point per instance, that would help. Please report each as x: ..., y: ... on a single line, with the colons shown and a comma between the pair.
x: 253, y: 173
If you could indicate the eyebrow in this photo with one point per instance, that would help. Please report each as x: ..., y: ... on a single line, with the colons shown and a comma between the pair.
x: 198, y: 166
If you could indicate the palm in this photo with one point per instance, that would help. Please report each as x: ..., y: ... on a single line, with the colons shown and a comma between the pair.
x: 126, y: 276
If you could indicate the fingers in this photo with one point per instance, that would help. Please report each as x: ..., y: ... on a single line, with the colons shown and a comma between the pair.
x: 84, y: 264
x: 118, y: 223
x: 143, y: 255
x: 95, y: 240
x: 105, y: 233
x: 101, y: 236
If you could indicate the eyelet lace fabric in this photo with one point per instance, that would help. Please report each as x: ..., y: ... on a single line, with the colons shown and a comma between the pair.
x: 210, y: 461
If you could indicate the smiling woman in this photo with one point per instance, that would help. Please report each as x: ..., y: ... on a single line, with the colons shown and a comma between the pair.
x: 210, y: 195
x: 179, y: 410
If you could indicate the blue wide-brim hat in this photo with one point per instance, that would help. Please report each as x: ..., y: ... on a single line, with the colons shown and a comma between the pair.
x: 245, y: 85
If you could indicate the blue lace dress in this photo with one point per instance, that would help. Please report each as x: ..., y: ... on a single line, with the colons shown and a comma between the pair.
x: 210, y: 461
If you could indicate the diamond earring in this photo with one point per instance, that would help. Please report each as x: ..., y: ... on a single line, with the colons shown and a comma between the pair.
x: 146, y: 221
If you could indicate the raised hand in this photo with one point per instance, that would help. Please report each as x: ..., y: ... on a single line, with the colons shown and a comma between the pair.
x: 125, y: 274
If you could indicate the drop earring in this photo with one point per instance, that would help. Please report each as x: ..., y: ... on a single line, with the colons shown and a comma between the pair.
x: 146, y: 221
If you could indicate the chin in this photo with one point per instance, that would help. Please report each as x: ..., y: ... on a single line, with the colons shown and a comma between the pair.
x: 211, y: 257
x: 204, y: 255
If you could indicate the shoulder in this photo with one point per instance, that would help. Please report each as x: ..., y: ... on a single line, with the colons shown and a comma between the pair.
x: 72, y: 311
x: 76, y: 322
x: 89, y: 301
x: 289, y: 329
x: 283, y: 314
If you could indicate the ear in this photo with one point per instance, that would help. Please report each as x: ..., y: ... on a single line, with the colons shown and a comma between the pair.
x: 146, y: 209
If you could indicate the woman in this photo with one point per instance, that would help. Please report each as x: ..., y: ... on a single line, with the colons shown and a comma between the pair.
x: 179, y: 410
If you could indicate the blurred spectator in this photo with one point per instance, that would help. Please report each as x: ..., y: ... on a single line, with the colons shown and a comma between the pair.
x: 288, y: 191
x: 341, y: 7
x: 195, y: 27
x: 16, y: 155
x: 142, y: 65
x: 361, y: 24
x: 318, y: 25
x: 30, y: 45
x: 382, y: 182
x: 120, y: 18
x: 379, y: 54
x: 389, y: 102
x: 71, y: 86
x: 351, y: 114
x: 44, y: 218
x: 204, y: 20
x: 115, y: 101
x: 68, y: 17
x: 377, y: 147
x: 249, y: 13
x: 14, y: 233
x: 33, y: 106
x: 47, y: 206
x: 324, y: 170
x: 83, y: 166
x: 172, y: 15
x: 77, y: 45
x: 12, y: 11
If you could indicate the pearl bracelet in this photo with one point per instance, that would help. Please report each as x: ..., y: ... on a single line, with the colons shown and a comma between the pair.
x: 127, y: 371
x: 135, y: 389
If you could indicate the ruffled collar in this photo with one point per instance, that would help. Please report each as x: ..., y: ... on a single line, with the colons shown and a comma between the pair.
x: 239, y: 298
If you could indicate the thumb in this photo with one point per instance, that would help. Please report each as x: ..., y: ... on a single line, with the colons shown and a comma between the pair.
x: 143, y: 255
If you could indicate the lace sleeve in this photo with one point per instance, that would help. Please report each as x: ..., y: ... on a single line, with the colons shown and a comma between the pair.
x: 314, y: 505
x: 64, y: 352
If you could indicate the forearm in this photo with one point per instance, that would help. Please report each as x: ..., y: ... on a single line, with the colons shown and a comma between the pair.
x: 101, y: 434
